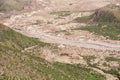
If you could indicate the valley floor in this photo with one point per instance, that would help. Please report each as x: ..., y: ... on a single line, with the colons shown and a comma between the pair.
x: 69, y: 49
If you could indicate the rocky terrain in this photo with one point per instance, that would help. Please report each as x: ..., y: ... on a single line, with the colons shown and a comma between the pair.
x: 67, y: 35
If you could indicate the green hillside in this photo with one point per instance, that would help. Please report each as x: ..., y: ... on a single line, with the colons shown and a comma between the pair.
x: 16, y: 64
x: 104, y: 21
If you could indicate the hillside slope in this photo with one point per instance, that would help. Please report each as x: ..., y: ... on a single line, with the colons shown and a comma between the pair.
x: 15, y: 63
x: 106, y: 22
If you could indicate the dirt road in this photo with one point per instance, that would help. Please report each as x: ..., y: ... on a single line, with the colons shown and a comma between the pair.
x: 36, y: 33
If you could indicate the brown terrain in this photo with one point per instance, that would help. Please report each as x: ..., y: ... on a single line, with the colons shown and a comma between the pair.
x: 52, y: 21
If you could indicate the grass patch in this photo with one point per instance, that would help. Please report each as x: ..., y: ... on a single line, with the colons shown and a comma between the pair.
x: 88, y: 60
x: 109, y: 31
x: 62, y: 13
x: 82, y: 19
x: 78, y: 72
x: 113, y: 72
x: 112, y: 59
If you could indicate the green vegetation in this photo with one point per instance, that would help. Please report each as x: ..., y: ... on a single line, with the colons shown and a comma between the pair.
x: 78, y: 72
x: 62, y: 13
x: 113, y: 72
x: 89, y: 59
x: 112, y: 59
x: 109, y: 31
x: 18, y: 65
x: 82, y: 19
x: 63, y: 31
